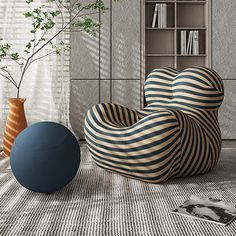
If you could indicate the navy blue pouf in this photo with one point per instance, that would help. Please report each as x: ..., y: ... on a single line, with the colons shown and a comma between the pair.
x: 45, y: 157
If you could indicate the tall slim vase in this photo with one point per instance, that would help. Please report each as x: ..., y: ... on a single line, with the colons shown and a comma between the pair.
x: 16, y: 122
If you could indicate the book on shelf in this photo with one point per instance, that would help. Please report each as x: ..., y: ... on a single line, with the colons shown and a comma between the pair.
x: 190, y: 46
x: 195, y: 42
x: 155, y: 16
x: 164, y: 15
x: 160, y: 16
x: 183, y: 42
x: 208, y: 209
x: 190, y: 43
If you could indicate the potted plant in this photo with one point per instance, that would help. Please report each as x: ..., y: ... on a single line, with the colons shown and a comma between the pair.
x: 44, y: 19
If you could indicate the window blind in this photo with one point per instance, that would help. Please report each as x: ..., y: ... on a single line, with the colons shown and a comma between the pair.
x: 46, y: 84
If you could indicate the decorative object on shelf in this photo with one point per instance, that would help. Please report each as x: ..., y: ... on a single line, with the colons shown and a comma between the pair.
x: 48, y: 20
x: 16, y: 122
x: 45, y: 157
x: 176, y: 135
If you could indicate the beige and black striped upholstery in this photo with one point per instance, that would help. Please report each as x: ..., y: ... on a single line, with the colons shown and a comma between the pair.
x: 176, y: 135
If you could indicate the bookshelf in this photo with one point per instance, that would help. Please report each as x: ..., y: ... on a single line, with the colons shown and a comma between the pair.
x: 162, y: 46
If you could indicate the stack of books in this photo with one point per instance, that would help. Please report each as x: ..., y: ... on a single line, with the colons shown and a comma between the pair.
x: 190, y: 44
x: 160, y: 16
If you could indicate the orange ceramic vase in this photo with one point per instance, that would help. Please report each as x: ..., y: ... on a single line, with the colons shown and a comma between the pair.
x: 16, y: 122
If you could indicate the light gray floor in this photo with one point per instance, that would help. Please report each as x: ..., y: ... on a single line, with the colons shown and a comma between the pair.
x: 98, y: 203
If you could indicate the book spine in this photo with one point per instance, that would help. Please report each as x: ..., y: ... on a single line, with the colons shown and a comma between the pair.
x: 183, y: 42
x: 196, y: 42
x: 159, y: 15
x: 155, y: 16
x: 164, y: 15
x: 190, y: 43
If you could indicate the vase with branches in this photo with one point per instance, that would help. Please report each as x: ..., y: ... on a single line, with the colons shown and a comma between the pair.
x: 48, y: 21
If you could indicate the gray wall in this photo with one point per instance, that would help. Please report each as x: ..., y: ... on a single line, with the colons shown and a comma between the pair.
x: 111, y: 74
x: 224, y: 60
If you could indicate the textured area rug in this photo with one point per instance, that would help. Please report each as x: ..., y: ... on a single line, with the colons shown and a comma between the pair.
x: 97, y: 202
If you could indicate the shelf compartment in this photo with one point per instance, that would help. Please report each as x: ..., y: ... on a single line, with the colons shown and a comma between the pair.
x: 189, y: 61
x: 149, y: 11
x: 159, y: 42
x: 190, y: 15
x: 157, y: 62
x: 202, y: 42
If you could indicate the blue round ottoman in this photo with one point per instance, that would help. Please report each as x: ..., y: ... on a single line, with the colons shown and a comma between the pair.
x: 45, y: 157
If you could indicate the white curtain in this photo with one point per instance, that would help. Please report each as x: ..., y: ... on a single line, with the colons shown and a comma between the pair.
x: 46, y: 84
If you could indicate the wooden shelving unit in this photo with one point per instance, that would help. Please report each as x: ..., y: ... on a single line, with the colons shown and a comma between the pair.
x: 162, y: 45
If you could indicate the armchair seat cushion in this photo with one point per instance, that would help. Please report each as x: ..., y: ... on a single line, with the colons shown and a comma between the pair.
x: 176, y: 135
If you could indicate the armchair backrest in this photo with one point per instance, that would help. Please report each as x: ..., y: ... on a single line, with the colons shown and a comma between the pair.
x: 197, y: 87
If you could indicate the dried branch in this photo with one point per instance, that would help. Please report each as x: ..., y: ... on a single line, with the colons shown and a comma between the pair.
x: 9, y: 74
x: 6, y: 77
x: 36, y: 59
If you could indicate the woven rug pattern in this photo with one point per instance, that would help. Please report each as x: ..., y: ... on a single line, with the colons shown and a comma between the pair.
x: 98, y: 202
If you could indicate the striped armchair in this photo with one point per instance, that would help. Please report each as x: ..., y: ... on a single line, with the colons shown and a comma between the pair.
x: 176, y: 135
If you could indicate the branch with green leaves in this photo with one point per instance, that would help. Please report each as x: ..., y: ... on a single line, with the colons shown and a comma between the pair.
x: 55, y: 14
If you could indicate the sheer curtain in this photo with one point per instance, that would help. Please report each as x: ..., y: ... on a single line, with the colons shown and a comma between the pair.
x: 46, y: 84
